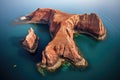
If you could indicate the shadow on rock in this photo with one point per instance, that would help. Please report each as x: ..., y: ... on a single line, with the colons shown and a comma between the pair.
x: 25, y: 54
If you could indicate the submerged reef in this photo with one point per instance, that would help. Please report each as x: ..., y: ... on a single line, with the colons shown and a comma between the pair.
x: 62, y: 27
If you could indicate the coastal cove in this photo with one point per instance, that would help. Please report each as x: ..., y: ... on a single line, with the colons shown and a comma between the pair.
x: 103, y: 56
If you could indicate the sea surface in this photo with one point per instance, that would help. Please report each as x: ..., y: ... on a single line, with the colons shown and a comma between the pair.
x: 103, y: 56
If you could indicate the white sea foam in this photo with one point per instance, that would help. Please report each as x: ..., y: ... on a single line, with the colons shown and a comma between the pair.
x: 23, y: 18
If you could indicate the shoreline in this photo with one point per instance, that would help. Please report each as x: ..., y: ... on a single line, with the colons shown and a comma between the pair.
x: 100, y: 38
x: 59, y: 63
x: 51, y: 68
x: 34, y: 48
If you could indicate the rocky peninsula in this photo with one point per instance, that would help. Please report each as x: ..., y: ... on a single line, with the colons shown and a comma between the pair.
x: 62, y: 27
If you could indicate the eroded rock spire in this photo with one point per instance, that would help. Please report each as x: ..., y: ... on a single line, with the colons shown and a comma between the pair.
x: 30, y: 43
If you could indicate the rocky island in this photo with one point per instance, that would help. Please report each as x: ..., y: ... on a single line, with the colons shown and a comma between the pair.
x: 30, y: 43
x: 62, y: 27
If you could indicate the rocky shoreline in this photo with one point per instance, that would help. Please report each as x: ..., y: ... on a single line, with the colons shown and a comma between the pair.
x: 33, y: 50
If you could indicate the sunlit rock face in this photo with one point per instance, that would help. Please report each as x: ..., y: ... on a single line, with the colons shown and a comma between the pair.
x: 62, y: 26
x: 92, y: 25
x: 30, y: 43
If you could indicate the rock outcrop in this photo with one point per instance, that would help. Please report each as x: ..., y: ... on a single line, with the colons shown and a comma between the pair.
x: 62, y: 27
x: 30, y: 43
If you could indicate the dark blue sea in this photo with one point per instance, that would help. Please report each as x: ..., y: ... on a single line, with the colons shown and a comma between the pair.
x: 103, y: 56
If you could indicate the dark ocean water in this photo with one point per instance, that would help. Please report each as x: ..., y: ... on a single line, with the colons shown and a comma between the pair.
x: 103, y: 57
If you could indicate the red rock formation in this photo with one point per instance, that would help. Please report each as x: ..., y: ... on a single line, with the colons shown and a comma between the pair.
x: 30, y: 43
x: 62, y: 27
x: 91, y: 25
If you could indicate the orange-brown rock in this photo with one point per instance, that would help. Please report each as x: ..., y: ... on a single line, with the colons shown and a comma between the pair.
x: 30, y: 43
x: 62, y: 27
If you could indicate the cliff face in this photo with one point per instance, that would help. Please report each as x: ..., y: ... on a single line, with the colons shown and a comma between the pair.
x: 91, y: 25
x: 62, y: 27
x: 30, y: 43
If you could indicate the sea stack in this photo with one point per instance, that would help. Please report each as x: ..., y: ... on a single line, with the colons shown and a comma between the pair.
x: 30, y: 43
x: 62, y: 26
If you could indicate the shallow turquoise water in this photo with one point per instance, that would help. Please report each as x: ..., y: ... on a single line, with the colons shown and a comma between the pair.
x: 103, y: 57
